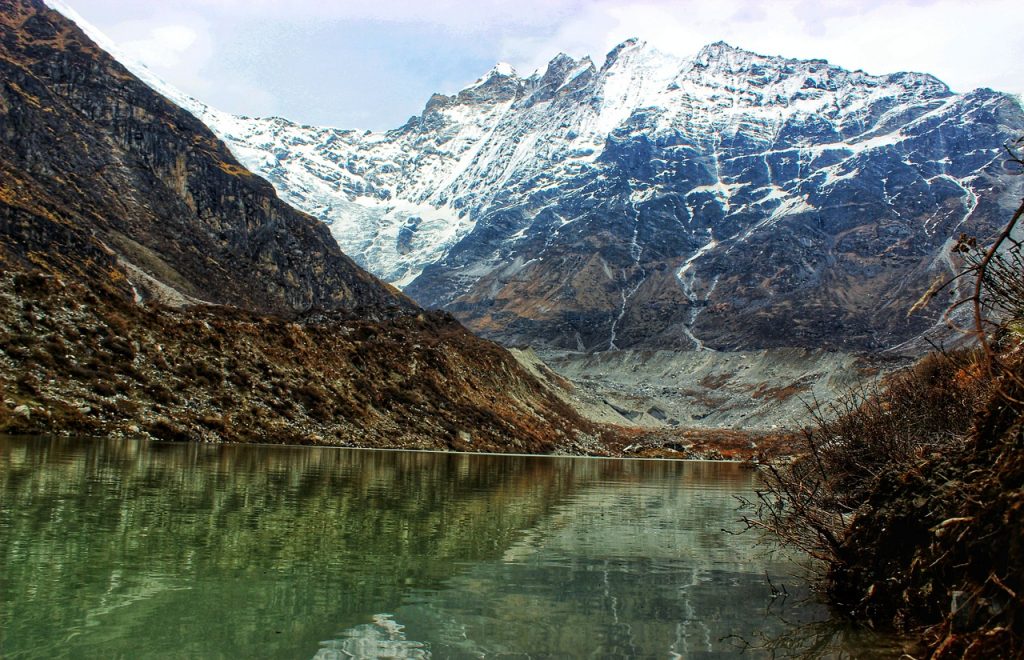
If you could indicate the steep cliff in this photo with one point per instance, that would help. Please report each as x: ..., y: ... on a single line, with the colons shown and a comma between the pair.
x: 96, y: 168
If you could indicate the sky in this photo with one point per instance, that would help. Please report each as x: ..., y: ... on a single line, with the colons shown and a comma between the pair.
x: 371, y: 64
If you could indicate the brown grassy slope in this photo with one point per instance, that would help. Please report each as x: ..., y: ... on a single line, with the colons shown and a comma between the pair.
x: 76, y: 361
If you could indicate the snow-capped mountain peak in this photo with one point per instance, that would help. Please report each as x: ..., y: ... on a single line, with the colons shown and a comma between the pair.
x: 724, y: 199
x: 503, y: 69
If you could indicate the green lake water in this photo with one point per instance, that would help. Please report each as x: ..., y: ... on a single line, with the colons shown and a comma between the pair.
x: 125, y: 549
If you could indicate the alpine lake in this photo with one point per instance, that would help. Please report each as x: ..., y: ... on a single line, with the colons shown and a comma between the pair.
x: 133, y: 549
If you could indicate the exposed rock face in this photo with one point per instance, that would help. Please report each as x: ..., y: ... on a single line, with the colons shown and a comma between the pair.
x: 728, y: 200
x: 96, y: 168
x: 114, y: 202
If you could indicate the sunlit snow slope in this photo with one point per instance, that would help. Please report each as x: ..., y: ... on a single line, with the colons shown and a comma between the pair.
x: 728, y: 199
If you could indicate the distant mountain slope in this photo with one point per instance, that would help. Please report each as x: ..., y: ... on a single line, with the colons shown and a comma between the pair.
x: 121, y: 214
x: 724, y: 200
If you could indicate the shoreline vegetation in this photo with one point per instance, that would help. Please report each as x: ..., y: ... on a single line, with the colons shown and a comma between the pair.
x: 911, y: 494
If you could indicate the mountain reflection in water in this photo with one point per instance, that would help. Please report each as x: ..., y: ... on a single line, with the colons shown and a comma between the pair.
x: 123, y: 548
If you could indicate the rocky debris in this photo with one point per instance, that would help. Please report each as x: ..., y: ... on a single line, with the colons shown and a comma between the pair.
x: 72, y: 362
x: 765, y: 392
x: 703, y: 444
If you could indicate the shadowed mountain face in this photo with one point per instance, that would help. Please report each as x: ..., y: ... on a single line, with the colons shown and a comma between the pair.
x: 95, y: 168
x: 152, y: 285
x: 728, y: 200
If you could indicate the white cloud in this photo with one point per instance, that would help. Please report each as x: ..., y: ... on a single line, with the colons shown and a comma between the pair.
x: 967, y: 44
x: 461, y: 14
x: 163, y: 45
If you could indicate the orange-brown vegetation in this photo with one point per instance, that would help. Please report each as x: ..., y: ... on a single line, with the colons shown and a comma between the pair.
x: 762, y: 391
x: 912, y: 494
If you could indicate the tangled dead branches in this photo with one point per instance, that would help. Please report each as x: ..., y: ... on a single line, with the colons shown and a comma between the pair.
x: 909, y: 492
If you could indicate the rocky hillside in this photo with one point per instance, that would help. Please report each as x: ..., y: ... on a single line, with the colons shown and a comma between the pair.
x: 72, y: 362
x: 152, y: 285
x: 93, y: 161
x: 726, y: 200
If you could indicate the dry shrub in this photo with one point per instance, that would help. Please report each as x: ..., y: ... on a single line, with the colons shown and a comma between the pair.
x: 163, y: 428
x: 911, y: 414
x: 871, y: 431
x: 911, y: 492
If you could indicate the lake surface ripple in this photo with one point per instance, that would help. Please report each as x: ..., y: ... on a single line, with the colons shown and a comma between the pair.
x: 134, y: 549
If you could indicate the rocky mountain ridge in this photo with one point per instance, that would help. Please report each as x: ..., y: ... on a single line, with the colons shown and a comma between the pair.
x: 725, y: 200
